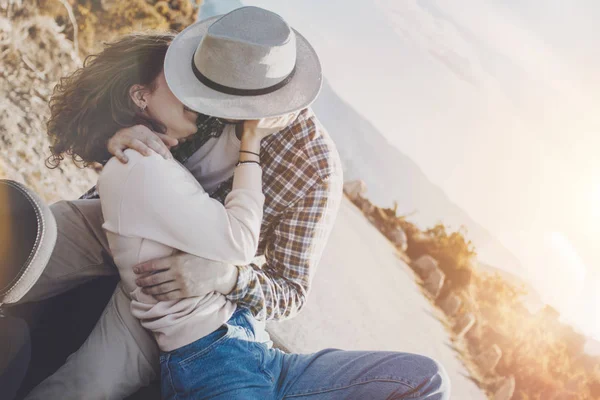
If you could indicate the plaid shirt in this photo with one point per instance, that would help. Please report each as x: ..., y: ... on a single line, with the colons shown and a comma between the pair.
x: 302, y: 183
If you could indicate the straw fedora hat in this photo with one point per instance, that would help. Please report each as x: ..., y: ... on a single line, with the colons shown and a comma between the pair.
x: 247, y: 64
x: 27, y: 238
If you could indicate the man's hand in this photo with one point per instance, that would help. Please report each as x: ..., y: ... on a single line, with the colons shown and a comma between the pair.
x: 184, y: 275
x: 141, y: 139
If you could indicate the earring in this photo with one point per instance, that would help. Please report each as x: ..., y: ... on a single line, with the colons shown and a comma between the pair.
x: 143, y: 108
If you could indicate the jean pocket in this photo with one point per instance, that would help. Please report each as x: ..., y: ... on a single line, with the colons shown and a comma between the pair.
x: 202, y: 346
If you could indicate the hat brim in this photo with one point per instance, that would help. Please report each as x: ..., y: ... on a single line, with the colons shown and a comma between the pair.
x: 298, y: 94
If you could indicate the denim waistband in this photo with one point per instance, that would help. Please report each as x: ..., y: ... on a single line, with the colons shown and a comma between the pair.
x: 241, y: 318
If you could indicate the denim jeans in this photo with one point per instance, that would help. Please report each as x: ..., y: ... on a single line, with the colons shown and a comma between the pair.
x: 231, y: 363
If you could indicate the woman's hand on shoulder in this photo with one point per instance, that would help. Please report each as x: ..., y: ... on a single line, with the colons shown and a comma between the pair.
x: 141, y: 139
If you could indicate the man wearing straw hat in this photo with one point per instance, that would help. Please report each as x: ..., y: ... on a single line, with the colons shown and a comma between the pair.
x: 248, y: 64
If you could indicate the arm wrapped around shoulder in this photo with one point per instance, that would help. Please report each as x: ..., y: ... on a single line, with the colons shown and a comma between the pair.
x: 158, y: 199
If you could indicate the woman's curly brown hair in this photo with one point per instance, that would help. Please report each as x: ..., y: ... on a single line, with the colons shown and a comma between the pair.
x: 89, y: 106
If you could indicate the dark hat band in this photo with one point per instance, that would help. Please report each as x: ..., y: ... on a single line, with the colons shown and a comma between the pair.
x: 240, y: 92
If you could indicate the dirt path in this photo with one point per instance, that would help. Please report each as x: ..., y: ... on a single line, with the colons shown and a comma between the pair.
x: 365, y: 298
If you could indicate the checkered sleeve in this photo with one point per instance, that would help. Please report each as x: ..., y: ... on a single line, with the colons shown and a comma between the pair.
x: 278, y: 289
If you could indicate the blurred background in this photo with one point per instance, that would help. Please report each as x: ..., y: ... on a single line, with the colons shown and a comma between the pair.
x: 469, y: 139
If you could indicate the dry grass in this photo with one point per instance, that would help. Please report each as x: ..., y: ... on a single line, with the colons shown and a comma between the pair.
x: 35, y: 54
x: 103, y: 20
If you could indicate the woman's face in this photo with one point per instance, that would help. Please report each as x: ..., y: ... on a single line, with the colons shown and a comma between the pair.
x: 164, y: 107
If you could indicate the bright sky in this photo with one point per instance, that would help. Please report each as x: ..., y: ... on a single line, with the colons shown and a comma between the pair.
x: 497, y: 102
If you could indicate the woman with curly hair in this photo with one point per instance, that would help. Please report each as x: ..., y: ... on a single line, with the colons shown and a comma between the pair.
x: 97, y: 100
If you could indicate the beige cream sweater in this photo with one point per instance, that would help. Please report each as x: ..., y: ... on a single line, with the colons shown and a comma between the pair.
x: 154, y: 207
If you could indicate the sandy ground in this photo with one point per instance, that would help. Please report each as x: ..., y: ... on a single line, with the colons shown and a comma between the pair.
x: 365, y: 298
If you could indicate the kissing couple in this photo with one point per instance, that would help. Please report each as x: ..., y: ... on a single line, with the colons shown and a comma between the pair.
x: 218, y: 192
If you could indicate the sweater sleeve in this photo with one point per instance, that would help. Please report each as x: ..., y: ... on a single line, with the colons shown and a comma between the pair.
x: 161, y: 201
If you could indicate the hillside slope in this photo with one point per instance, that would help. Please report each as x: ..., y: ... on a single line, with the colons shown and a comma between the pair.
x: 391, y: 176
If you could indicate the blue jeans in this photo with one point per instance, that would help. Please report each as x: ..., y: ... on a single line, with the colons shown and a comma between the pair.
x: 231, y: 363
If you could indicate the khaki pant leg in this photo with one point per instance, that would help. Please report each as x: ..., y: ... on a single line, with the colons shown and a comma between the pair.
x: 81, y: 252
x: 117, y: 359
